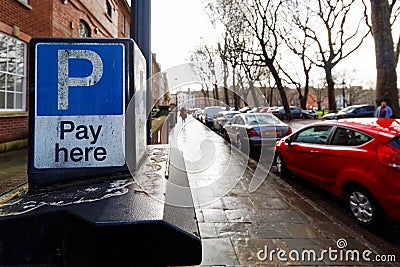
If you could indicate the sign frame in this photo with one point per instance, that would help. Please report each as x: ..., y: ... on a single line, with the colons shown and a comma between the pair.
x: 42, y: 175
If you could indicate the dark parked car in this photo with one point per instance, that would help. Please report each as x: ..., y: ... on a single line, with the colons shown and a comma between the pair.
x: 355, y: 159
x: 209, y: 114
x: 281, y: 113
x: 197, y: 114
x: 308, y: 114
x: 223, y: 117
x: 355, y: 111
x: 252, y: 130
x: 245, y: 109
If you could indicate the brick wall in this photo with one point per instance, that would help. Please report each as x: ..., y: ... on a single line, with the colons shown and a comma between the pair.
x: 13, y: 128
x: 67, y: 15
x: 57, y: 18
x: 33, y: 19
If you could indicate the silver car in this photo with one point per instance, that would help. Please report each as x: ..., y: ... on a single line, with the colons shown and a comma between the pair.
x: 253, y: 130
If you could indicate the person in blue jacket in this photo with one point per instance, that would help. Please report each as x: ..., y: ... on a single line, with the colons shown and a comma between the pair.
x: 383, y: 111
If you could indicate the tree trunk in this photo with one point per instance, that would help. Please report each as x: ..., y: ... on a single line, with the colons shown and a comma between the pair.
x: 226, y: 92
x: 235, y: 93
x: 304, y: 99
x: 216, y: 94
x: 331, y: 89
x: 386, y: 77
x: 254, y: 94
x: 281, y: 90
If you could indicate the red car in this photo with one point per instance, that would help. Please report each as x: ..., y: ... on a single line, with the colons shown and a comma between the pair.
x: 355, y: 159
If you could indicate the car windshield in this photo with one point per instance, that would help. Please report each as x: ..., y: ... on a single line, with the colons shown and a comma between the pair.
x: 262, y: 119
x: 230, y: 115
x: 347, y: 110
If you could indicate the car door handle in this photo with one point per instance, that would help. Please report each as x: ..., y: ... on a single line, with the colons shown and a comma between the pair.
x: 314, y: 151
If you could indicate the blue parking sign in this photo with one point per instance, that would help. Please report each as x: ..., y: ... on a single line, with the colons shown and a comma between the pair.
x: 79, y: 103
x: 80, y: 79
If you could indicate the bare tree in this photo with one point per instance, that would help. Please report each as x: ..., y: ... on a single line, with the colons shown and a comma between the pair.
x: 204, y: 71
x: 222, y: 15
x: 337, y: 38
x: 384, y: 14
x: 261, y: 18
x: 299, y: 43
x: 222, y: 50
x: 252, y: 73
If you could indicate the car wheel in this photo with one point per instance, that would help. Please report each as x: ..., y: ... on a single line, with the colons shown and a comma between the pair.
x: 280, y: 165
x: 226, y: 135
x: 363, y: 207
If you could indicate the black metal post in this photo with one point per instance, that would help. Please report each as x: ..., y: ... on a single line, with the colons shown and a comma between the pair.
x: 141, y: 34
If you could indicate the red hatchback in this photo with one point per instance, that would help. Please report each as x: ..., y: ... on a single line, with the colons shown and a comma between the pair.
x: 355, y: 159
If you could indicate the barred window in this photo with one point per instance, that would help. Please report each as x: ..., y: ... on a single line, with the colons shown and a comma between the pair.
x: 123, y: 23
x: 12, y: 74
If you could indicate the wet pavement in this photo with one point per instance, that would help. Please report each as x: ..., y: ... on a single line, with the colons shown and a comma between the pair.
x: 274, y: 225
x: 13, y: 169
x: 285, y: 221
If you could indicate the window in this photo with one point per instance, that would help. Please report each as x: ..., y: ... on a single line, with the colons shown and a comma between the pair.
x: 123, y: 23
x: 84, y: 29
x: 239, y: 121
x: 108, y: 9
x: 12, y: 74
x: 348, y: 137
x: 314, y: 135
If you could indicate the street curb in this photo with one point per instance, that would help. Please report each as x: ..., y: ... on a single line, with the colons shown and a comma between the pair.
x: 13, y: 145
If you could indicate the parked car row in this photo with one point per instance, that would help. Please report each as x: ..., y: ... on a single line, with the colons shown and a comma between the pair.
x: 247, y: 130
x: 250, y: 131
x: 355, y: 111
x: 296, y: 113
x: 357, y: 160
x: 279, y: 112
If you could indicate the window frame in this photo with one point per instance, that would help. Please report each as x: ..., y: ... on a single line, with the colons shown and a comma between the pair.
x: 18, y: 74
x: 352, y: 137
x: 87, y: 27
x: 108, y: 9
x: 295, y: 138
x: 123, y: 26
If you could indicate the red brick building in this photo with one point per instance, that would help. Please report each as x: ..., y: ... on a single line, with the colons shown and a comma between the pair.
x: 21, y: 20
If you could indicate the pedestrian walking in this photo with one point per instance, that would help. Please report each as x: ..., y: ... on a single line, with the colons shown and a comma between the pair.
x: 183, y: 114
x: 383, y: 111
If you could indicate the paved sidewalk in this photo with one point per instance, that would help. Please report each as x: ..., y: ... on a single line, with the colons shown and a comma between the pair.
x: 13, y: 169
x: 242, y: 228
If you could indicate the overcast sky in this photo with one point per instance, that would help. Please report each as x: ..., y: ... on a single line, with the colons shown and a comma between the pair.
x: 179, y: 26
